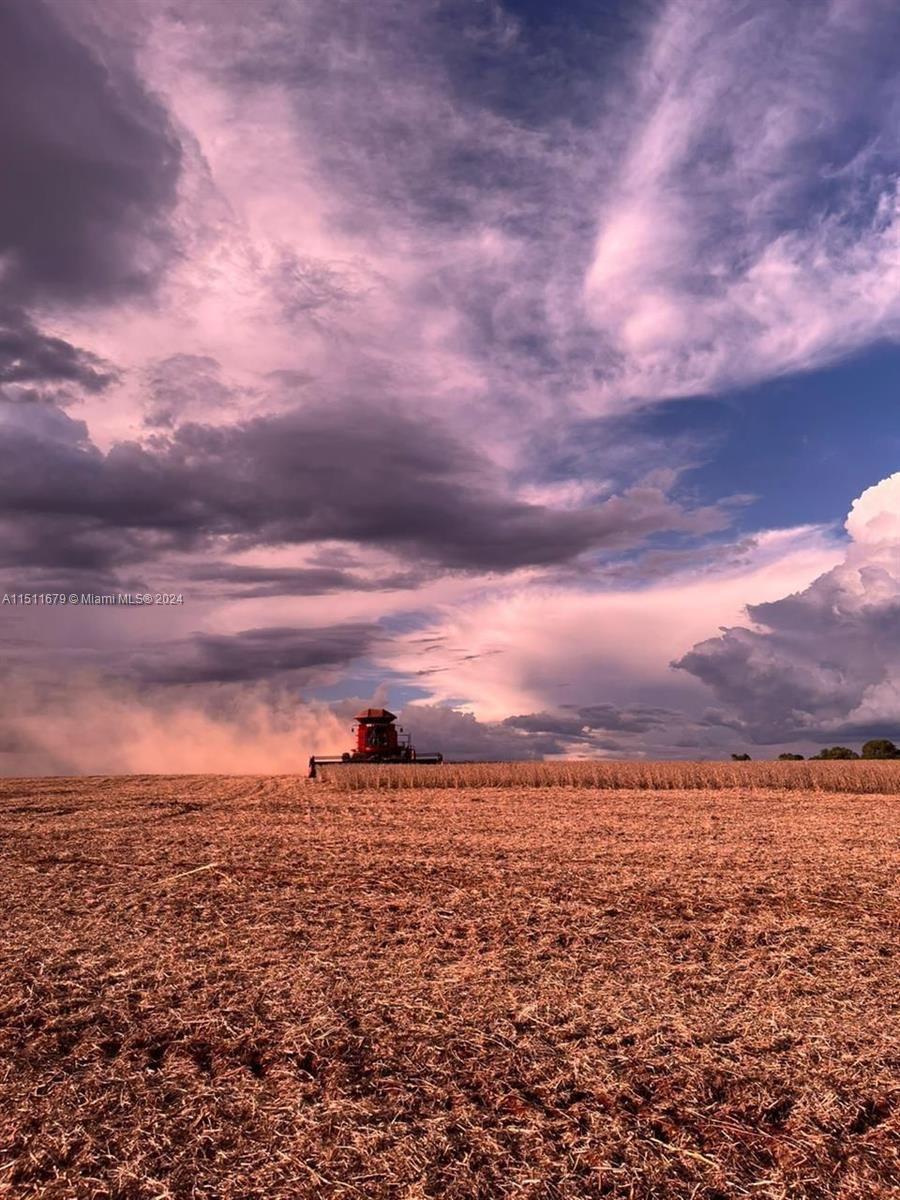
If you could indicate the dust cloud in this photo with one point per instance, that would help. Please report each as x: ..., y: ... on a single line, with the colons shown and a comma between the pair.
x: 87, y: 726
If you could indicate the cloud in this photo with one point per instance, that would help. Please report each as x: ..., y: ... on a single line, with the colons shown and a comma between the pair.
x: 254, y: 582
x: 638, y: 718
x: 594, y: 731
x: 409, y: 225
x: 460, y: 736
x: 186, y: 387
x: 389, y: 216
x: 92, y: 690
x: 588, y: 214
x: 718, y: 209
x: 410, y: 272
x: 253, y: 655
x: 49, y: 460
x: 685, y: 196
x: 825, y: 661
x: 359, y: 473
x: 34, y: 361
x: 544, y: 722
x: 752, y: 228
x: 563, y: 645
x: 607, y: 718
x: 95, y: 164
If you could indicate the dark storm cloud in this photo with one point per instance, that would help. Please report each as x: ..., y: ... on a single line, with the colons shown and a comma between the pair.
x: 34, y: 360
x: 254, y: 654
x: 624, y: 732
x: 824, y: 662
x: 357, y: 473
x: 460, y: 736
x: 545, y: 722
x: 633, y: 719
x: 607, y: 718
x: 90, y: 163
x: 47, y: 458
x: 249, y: 582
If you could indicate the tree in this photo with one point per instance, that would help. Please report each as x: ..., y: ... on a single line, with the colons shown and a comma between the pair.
x: 837, y: 752
x: 880, y: 748
x: 791, y: 757
x: 741, y: 757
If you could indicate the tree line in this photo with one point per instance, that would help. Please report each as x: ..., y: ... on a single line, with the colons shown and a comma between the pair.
x: 874, y: 748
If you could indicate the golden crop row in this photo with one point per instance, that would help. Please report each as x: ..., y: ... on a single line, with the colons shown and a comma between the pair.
x: 859, y: 776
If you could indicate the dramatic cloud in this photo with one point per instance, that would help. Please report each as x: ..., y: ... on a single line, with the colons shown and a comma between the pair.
x: 458, y: 735
x: 824, y: 661
x: 351, y: 473
x: 603, y: 717
x: 249, y: 582
x: 33, y: 361
x: 91, y: 162
x: 593, y: 731
x: 563, y: 646
x: 658, y: 200
x: 349, y: 322
x: 753, y: 226
x: 254, y: 655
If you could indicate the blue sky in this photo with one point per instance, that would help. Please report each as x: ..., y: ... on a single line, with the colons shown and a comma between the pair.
x: 529, y: 367
x: 805, y: 445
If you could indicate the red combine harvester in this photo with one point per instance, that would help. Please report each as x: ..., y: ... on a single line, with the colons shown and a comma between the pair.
x: 377, y: 741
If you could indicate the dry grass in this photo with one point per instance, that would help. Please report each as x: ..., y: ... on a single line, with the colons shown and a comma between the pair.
x: 241, y: 988
x: 860, y: 776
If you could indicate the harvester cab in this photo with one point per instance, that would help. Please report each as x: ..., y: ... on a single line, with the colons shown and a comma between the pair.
x: 378, y: 740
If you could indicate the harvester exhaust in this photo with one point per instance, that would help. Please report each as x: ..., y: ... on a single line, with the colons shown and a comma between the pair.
x: 377, y: 741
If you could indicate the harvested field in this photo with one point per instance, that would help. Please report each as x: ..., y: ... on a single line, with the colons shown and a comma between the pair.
x: 237, y: 988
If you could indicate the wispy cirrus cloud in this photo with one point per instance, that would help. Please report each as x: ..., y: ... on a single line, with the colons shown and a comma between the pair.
x: 713, y: 203
x: 753, y: 227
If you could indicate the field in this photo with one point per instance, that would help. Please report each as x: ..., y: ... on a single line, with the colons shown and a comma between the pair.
x: 235, y: 988
x: 860, y: 776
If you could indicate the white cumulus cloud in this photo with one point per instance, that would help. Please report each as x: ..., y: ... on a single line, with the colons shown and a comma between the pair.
x: 824, y: 661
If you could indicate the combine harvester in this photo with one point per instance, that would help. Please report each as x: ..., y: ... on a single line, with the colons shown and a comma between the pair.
x: 377, y: 741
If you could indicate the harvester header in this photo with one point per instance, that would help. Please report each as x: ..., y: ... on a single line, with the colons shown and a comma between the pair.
x: 378, y: 740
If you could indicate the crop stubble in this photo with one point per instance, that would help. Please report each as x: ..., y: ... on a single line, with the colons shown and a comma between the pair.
x: 233, y: 988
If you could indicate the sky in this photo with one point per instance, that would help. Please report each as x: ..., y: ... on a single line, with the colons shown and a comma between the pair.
x: 531, y: 369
